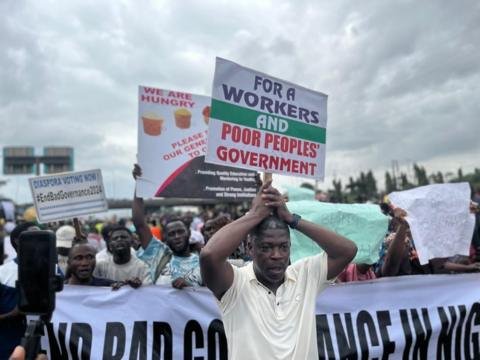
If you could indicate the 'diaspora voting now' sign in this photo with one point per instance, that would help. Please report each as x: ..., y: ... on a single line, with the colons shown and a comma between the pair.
x: 67, y: 195
x: 262, y: 123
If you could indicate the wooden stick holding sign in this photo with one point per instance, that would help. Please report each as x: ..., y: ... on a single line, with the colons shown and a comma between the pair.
x: 267, y: 176
x: 79, y: 235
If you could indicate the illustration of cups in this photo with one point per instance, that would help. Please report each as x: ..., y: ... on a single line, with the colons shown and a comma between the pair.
x: 206, y: 114
x: 152, y: 124
x: 183, y: 118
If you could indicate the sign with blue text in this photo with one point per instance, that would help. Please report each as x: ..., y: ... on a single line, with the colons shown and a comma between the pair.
x: 68, y: 195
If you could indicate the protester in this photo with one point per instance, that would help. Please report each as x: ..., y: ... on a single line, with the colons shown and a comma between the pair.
x: 153, y: 252
x: 183, y: 269
x: 156, y: 230
x: 213, y: 225
x: 65, y: 235
x: 9, y: 271
x: 268, y: 306
x: 122, y: 266
x: 80, y: 266
x: 104, y: 254
x: 356, y: 272
x: 455, y: 264
x: 321, y: 196
x: 398, y: 255
x: 12, y: 322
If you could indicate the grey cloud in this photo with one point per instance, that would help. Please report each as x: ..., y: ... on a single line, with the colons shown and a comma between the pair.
x: 402, y: 77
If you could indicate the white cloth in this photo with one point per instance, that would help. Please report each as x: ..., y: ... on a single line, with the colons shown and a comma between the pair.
x: 8, y: 250
x: 9, y: 273
x: 262, y: 325
x: 196, y: 237
x: 107, y: 269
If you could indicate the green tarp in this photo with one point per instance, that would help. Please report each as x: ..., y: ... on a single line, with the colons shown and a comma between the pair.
x: 364, y: 224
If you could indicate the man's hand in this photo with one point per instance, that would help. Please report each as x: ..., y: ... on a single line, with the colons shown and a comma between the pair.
x: 179, y: 283
x: 117, y: 285
x: 135, y: 282
x: 474, y: 207
x: 273, y: 199
x: 474, y: 267
x: 399, y: 213
x: 259, y: 207
x: 137, y: 171
x: 19, y: 354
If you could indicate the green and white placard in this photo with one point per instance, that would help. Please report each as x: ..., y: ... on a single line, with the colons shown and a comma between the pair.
x: 266, y: 124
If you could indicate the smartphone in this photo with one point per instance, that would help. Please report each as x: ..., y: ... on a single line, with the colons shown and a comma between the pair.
x: 37, y: 259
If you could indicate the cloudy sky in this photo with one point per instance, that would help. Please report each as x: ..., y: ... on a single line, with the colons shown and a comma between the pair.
x: 403, y: 77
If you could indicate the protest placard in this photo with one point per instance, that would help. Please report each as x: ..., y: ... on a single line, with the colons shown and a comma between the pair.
x: 68, y: 195
x: 439, y: 219
x: 263, y: 123
x: 172, y: 140
x: 364, y: 224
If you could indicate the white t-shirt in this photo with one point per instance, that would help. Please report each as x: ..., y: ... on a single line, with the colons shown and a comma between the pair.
x: 9, y: 273
x: 107, y: 269
x: 104, y: 254
x: 262, y: 325
x: 8, y: 250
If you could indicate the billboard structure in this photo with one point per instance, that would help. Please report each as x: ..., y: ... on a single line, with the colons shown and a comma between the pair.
x: 21, y: 160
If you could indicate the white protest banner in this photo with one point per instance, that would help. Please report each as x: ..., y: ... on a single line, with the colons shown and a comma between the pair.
x: 408, y: 317
x: 172, y: 141
x: 439, y: 219
x: 263, y: 123
x: 68, y: 195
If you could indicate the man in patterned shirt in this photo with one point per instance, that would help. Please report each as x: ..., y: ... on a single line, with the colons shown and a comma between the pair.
x: 184, y: 266
x: 170, y: 263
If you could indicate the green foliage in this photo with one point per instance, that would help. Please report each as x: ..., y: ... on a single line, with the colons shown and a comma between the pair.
x: 364, y: 187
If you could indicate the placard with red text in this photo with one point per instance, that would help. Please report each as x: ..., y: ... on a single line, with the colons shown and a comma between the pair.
x: 172, y: 139
x: 262, y: 123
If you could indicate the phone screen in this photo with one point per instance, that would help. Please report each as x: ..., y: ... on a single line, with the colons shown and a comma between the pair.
x: 36, y: 270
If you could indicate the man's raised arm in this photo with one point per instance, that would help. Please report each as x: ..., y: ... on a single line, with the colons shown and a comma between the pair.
x: 138, y: 213
x: 217, y: 273
x: 340, y: 250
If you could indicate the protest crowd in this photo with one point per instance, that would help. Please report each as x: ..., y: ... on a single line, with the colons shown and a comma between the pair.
x: 164, y: 251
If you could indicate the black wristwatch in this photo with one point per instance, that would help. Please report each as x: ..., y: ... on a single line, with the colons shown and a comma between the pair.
x: 294, y: 223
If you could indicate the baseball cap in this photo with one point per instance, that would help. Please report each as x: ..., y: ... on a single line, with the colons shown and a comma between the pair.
x: 65, y: 235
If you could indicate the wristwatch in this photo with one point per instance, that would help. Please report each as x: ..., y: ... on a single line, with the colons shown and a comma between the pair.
x: 294, y: 223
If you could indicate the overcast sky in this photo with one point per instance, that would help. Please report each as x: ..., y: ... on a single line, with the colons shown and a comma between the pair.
x: 403, y: 77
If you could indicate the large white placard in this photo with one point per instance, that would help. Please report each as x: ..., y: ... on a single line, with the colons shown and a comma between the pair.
x: 68, y: 195
x: 263, y: 123
x: 409, y: 317
x: 172, y: 141
x: 439, y: 219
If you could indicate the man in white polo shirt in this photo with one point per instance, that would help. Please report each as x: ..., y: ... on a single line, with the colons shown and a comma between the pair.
x: 268, y: 306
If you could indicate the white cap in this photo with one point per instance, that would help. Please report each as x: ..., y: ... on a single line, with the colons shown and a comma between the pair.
x: 65, y: 235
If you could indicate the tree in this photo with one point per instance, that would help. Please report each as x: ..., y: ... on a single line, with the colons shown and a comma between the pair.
x: 404, y: 183
x: 371, y: 186
x: 390, y: 183
x: 336, y: 195
x: 420, y: 175
x: 437, y: 178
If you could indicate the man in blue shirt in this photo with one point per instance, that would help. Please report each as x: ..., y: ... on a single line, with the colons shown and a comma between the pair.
x: 12, y: 323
